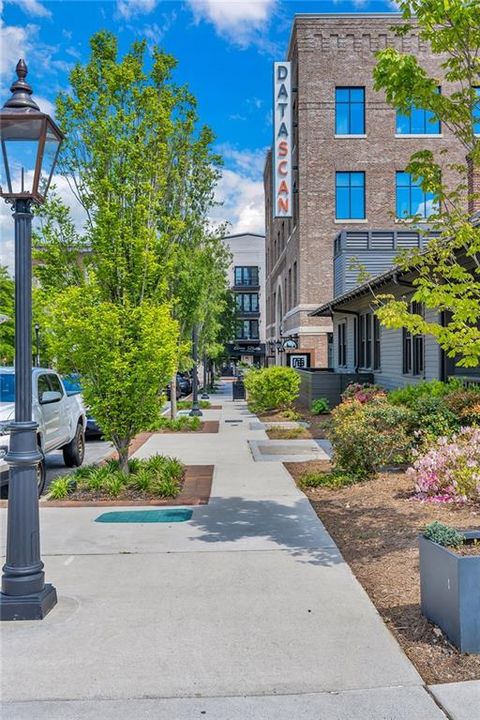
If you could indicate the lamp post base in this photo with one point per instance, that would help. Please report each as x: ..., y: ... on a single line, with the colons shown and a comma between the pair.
x: 205, y: 396
x: 28, y: 607
x: 195, y: 412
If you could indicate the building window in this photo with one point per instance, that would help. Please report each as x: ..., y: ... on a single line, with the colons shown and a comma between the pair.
x: 247, y: 330
x: 295, y: 284
x: 414, y: 347
x: 418, y: 122
x: 411, y: 199
x: 350, y: 195
x: 376, y: 344
x: 246, y: 275
x: 476, y: 113
x: 366, y: 340
x: 247, y: 302
x: 289, y: 288
x: 350, y: 111
x: 342, y: 343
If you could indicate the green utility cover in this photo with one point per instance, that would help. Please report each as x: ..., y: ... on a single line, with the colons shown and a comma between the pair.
x: 145, y: 516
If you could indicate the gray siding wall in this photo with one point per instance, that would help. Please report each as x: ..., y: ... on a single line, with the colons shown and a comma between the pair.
x: 390, y: 374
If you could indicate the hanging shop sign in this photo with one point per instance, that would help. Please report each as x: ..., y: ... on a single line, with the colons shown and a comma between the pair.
x: 290, y: 344
x: 298, y: 361
x: 282, y: 144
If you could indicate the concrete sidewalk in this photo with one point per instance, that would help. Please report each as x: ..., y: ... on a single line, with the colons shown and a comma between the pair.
x: 246, y: 611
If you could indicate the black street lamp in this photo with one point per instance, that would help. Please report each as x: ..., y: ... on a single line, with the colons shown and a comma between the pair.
x: 195, y: 411
x: 204, y: 395
x: 30, y: 143
x: 37, y: 345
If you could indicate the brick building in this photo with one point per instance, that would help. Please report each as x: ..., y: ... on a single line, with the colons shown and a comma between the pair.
x: 350, y: 150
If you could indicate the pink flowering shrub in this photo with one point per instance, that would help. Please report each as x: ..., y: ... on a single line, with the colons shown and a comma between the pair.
x: 363, y: 393
x: 450, y: 469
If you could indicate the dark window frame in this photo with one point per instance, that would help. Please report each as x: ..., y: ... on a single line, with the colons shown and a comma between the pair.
x: 349, y: 187
x: 243, y: 271
x: 347, y: 105
x: 366, y: 340
x: 410, y: 186
x: 413, y: 347
x: 342, y: 343
x: 427, y: 125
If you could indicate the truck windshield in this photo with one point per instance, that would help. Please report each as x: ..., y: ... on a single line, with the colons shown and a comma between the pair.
x: 7, y: 387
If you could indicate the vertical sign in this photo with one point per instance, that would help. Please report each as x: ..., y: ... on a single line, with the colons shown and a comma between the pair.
x: 282, y: 148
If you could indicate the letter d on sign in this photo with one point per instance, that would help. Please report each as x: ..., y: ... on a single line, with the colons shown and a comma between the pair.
x: 282, y: 72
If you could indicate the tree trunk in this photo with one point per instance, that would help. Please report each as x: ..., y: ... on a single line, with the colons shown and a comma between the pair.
x: 173, y: 397
x: 122, y: 445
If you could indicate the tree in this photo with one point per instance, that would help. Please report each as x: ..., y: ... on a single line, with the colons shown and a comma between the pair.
x: 7, y: 308
x: 123, y: 354
x: 447, y: 274
x: 129, y: 148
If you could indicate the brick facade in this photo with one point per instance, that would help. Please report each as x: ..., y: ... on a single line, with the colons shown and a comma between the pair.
x: 329, y: 51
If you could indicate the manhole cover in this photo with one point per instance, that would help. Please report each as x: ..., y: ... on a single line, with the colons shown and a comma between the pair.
x: 145, y: 516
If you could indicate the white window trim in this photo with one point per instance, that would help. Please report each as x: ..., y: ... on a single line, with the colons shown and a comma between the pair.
x: 419, y: 135
x: 349, y: 135
x: 351, y: 221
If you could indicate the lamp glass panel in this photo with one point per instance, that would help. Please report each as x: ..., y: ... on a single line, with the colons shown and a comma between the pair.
x: 52, y: 143
x: 19, y: 149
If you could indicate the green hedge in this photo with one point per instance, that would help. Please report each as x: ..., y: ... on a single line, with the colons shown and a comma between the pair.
x: 274, y: 388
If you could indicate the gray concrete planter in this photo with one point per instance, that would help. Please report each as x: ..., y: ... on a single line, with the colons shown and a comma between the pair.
x: 450, y: 592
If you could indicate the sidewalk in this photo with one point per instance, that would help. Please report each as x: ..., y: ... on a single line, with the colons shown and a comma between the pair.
x: 246, y: 611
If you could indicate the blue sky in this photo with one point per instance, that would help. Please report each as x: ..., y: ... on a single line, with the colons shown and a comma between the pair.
x: 224, y: 48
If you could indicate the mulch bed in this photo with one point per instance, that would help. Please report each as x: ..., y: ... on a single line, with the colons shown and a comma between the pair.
x: 207, y: 426
x: 196, y: 489
x: 375, y: 524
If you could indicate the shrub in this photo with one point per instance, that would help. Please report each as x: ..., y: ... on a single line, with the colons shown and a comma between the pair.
x: 180, y: 424
x: 411, y: 394
x: 369, y: 436
x: 332, y: 479
x: 450, y: 468
x: 443, y: 535
x: 465, y: 405
x: 432, y: 418
x: 320, y: 406
x: 158, y: 475
x: 61, y: 487
x: 274, y: 388
x: 363, y: 392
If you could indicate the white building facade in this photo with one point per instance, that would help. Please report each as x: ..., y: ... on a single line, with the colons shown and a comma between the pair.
x: 247, y: 281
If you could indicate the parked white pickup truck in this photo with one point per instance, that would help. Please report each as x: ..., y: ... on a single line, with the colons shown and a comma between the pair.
x: 61, y: 420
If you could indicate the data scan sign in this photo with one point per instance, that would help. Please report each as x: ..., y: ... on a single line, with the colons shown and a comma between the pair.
x: 282, y: 148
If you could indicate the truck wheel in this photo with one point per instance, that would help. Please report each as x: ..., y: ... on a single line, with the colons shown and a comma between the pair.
x: 74, y: 452
x: 41, y: 478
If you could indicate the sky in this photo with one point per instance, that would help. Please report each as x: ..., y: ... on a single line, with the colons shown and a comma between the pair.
x: 225, y: 50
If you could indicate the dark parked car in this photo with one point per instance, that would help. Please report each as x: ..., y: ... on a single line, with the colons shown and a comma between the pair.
x: 184, y: 382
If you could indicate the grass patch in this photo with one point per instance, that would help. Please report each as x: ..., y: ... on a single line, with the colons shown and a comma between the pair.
x: 332, y: 479
x: 277, y: 432
x: 187, y: 404
x: 157, y: 476
x: 183, y: 423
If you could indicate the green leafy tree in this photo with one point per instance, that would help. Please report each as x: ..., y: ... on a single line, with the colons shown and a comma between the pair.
x: 7, y: 309
x: 123, y: 353
x: 115, y: 326
x: 448, y: 272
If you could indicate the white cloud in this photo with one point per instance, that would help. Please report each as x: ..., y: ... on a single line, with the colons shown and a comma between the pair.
x: 130, y: 8
x: 62, y: 189
x: 241, y: 21
x: 32, y: 7
x: 240, y: 191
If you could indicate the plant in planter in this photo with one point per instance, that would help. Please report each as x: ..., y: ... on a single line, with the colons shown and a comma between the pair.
x: 450, y: 583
